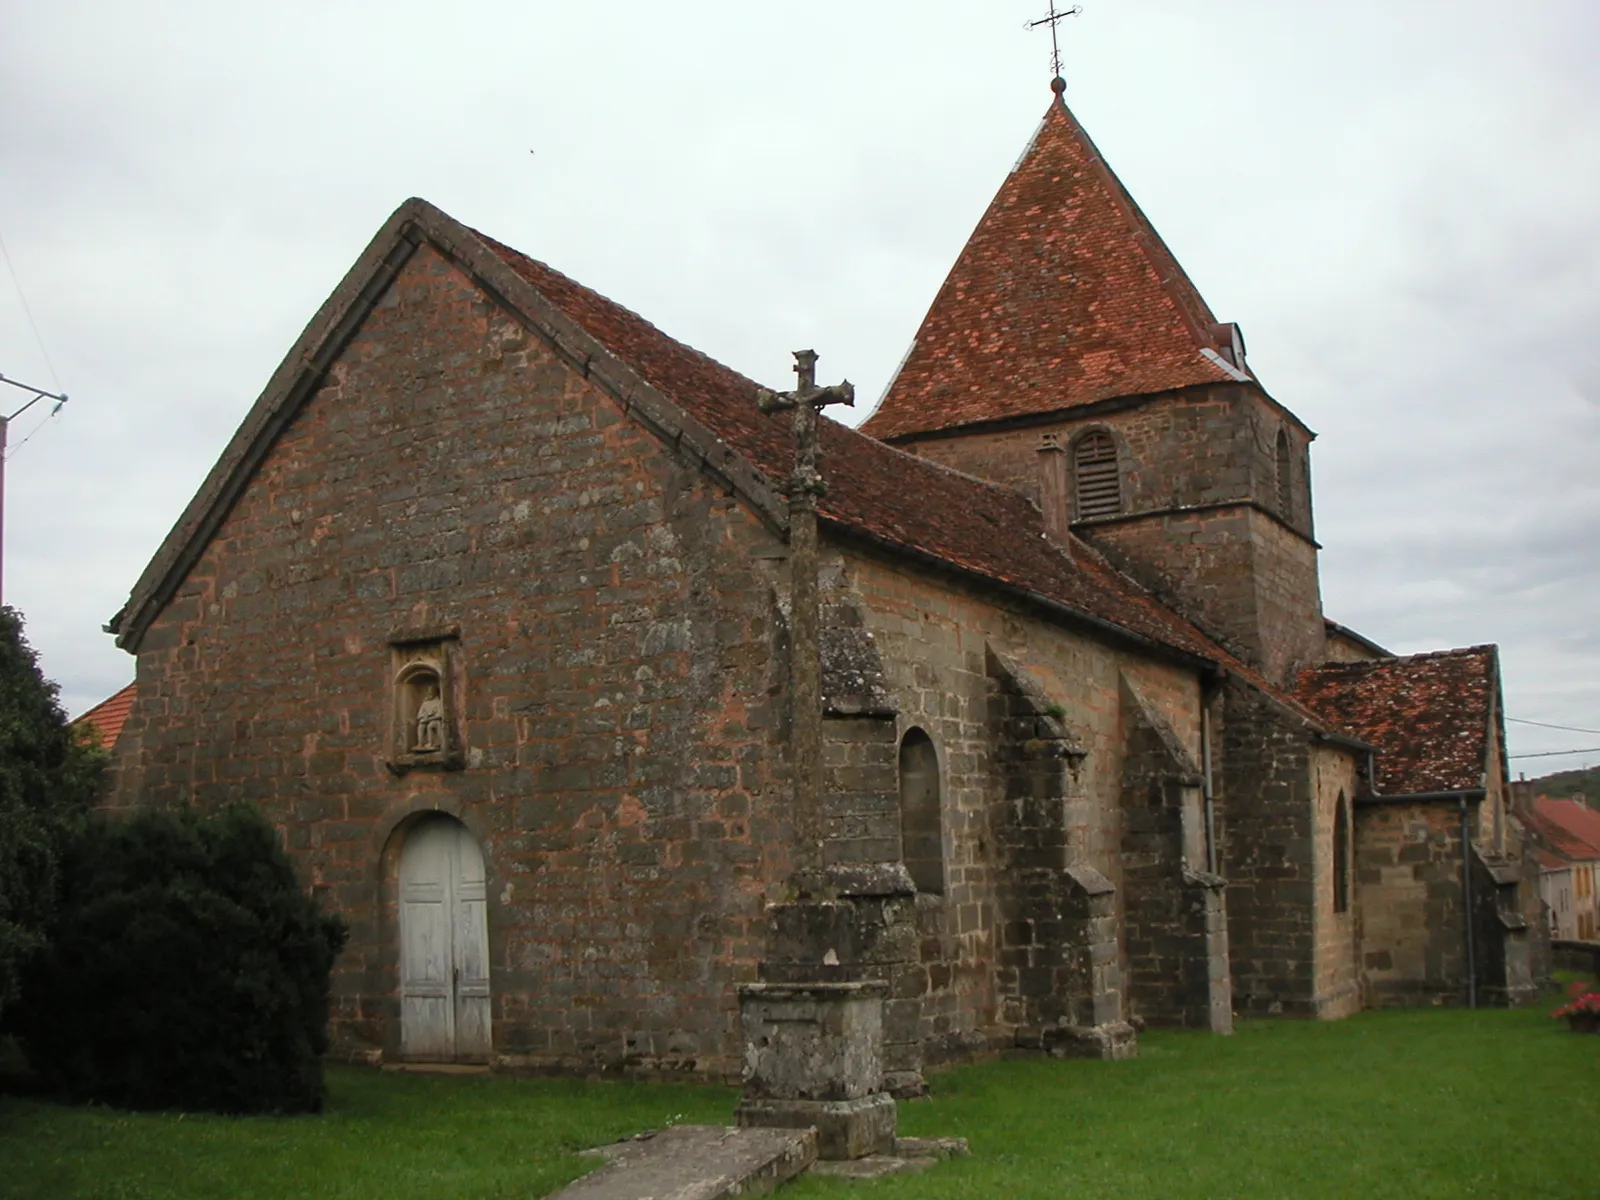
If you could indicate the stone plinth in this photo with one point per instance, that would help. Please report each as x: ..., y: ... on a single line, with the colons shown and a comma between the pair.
x: 813, y: 1058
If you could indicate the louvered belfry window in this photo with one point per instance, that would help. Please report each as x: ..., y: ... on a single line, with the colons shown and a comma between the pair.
x: 1285, y: 480
x: 1099, y: 489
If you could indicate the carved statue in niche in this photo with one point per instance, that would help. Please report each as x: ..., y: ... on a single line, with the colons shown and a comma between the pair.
x: 430, y: 719
x: 424, y: 725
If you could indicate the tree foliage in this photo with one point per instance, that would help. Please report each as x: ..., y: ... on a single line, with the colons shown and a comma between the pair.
x: 186, y: 969
x: 48, y: 778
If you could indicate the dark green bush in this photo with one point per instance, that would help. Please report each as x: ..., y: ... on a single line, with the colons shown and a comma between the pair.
x: 186, y: 969
x: 48, y: 779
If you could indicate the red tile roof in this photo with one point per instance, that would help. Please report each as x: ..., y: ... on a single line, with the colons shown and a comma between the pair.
x: 1569, y: 828
x: 107, y: 718
x: 1064, y: 295
x: 1428, y: 714
x: 882, y: 493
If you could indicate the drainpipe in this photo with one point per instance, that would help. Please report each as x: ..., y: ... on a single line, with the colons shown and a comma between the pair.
x: 1205, y: 784
x: 1466, y: 900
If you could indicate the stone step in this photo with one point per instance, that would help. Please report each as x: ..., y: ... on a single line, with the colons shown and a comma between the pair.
x: 696, y: 1162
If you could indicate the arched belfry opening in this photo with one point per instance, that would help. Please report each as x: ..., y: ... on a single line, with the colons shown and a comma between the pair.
x: 444, y: 944
x: 1341, y: 856
x: 921, y: 815
x: 1285, y: 476
x: 1096, y: 479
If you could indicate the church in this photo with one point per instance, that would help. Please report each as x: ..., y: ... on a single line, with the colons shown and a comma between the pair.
x: 489, y: 604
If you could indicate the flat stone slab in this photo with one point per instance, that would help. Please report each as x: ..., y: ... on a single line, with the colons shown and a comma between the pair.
x: 910, y: 1154
x: 696, y: 1162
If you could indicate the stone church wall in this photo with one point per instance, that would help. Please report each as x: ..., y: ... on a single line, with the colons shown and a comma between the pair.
x: 935, y: 637
x: 1186, y: 460
x: 1265, y: 807
x: 610, y: 618
x: 1413, y: 923
x: 1173, y: 448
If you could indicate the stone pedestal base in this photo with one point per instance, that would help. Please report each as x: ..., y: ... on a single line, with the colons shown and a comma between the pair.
x: 845, y: 1128
x: 813, y: 1059
x: 1113, y: 1040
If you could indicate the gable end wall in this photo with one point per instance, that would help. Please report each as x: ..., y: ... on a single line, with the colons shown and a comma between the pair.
x: 614, y: 613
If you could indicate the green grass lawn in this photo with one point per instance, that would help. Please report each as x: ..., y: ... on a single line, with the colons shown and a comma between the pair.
x: 1403, y: 1104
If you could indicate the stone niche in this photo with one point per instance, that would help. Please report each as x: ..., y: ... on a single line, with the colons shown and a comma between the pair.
x: 814, y: 1059
x: 424, y: 708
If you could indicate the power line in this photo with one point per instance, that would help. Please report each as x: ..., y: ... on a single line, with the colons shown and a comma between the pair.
x: 1547, y: 725
x: 17, y: 283
x: 1557, y: 753
x: 55, y: 409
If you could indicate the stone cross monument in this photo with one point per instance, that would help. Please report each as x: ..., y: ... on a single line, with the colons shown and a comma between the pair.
x: 813, y: 1045
x: 804, y: 487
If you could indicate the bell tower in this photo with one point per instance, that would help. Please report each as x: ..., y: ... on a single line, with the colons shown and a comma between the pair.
x: 1067, y: 324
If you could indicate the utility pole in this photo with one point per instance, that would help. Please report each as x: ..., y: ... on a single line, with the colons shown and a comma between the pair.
x: 5, y: 423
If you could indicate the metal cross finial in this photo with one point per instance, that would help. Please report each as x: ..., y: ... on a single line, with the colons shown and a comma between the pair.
x: 807, y: 400
x: 1055, y: 18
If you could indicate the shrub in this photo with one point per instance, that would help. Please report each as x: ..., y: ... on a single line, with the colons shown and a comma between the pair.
x: 186, y: 969
x: 48, y: 779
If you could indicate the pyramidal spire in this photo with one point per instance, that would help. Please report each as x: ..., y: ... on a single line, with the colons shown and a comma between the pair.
x: 1063, y: 295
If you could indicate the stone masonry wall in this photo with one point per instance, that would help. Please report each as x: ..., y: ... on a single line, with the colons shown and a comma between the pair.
x: 1236, y: 571
x: 1338, y: 991
x: 1267, y: 854
x: 1408, y: 859
x: 1191, y: 464
x: 1058, y: 956
x: 934, y: 634
x: 1176, y: 923
x: 613, y: 613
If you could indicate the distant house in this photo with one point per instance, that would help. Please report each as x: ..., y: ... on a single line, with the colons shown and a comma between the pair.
x: 106, y: 719
x: 1568, y: 834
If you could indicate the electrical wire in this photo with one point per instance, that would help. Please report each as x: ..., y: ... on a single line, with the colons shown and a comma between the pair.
x: 34, y: 325
x: 1547, y: 725
x: 1557, y: 753
x: 12, y: 451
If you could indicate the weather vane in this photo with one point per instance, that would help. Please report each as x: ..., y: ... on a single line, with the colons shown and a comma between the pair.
x: 1055, y: 18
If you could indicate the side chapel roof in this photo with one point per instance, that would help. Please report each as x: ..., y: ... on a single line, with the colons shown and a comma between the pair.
x: 107, y: 718
x: 1429, y: 715
x: 1063, y: 295
x: 875, y: 492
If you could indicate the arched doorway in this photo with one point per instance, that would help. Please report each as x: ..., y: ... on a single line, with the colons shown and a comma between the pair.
x: 444, y: 945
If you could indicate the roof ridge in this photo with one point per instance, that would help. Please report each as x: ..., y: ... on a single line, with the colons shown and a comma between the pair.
x: 1374, y: 664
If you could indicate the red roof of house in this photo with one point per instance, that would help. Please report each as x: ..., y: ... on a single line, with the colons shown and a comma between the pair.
x: 1569, y: 828
x: 1428, y: 714
x: 1064, y: 295
x: 108, y: 717
x: 887, y: 495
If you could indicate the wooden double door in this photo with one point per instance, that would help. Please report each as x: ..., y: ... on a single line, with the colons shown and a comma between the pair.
x: 444, y: 945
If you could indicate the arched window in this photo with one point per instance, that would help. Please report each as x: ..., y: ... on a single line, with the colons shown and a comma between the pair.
x: 921, y: 822
x: 1285, y: 476
x: 1096, y: 481
x: 1341, y: 856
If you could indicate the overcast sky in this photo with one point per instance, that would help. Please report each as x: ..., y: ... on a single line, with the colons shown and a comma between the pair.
x: 1399, y: 201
